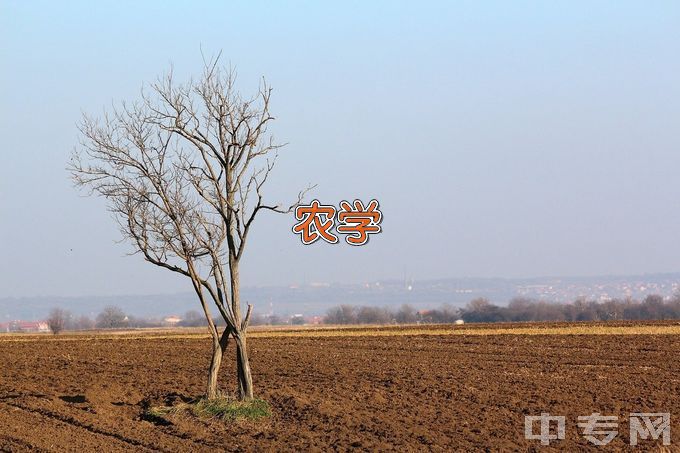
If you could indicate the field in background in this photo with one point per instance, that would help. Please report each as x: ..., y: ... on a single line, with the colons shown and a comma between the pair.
x: 375, y: 388
x: 671, y: 327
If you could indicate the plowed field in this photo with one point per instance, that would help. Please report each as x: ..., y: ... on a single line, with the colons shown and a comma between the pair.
x: 407, y: 390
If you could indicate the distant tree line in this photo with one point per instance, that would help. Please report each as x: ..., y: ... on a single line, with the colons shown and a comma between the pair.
x: 195, y: 319
x: 59, y: 320
x: 113, y: 317
x: 406, y: 314
x: 653, y: 307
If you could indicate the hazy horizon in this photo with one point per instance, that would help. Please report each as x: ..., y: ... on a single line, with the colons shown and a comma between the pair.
x: 501, y: 140
x: 407, y: 279
x: 318, y: 298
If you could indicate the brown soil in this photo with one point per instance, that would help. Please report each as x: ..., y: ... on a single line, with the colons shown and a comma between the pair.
x: 406, y: 393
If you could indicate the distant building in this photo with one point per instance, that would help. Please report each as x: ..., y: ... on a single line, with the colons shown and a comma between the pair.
x: 297, y: 320
x: 172, y: 320
x: 25, y: 326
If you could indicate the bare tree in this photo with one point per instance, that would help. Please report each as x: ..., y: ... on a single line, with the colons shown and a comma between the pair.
x: 373, y: 315
x: 57, y: 320
x: 84, y: 323
x: 344, y: 314
x: 192, y: 318
x: 183, y: 170
x: 111, y: 317
x: 406, y: 315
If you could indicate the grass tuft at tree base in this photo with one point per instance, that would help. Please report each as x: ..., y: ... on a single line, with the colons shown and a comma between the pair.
x: 223, y: 408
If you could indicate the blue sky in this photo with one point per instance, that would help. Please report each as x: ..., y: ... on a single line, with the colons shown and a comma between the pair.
x: 501, y: 138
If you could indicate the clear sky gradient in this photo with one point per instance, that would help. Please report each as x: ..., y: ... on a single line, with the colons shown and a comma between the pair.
x: 501, y: 138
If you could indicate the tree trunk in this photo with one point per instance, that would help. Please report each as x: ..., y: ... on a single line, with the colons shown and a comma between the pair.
x: 245, y: 378
x: 218, y: 350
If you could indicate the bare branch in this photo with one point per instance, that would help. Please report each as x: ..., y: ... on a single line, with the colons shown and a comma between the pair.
x: 184, y: 171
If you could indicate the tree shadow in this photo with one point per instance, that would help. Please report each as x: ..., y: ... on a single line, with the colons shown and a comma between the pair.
x: 149, y: 407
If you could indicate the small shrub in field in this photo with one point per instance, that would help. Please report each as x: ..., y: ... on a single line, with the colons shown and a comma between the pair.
x: 227, y: 408
x: 221, y: 408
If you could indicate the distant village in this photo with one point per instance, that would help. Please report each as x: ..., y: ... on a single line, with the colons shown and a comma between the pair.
x: 312, y: 303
